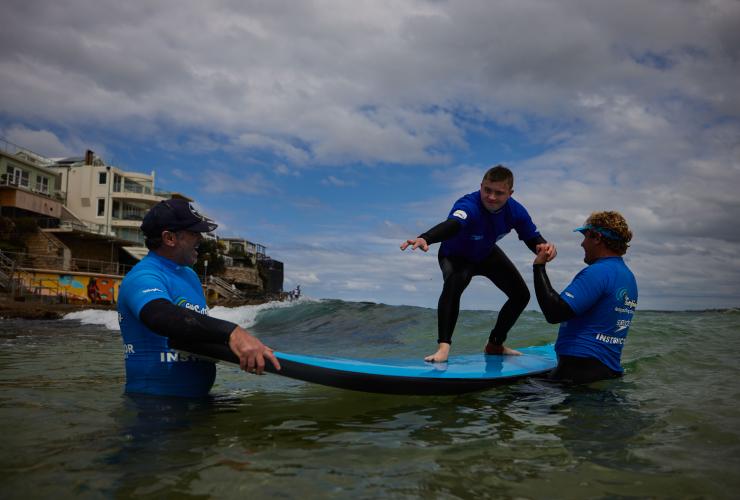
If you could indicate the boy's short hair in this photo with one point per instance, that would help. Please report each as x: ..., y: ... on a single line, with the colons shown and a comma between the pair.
x: 499, y: 173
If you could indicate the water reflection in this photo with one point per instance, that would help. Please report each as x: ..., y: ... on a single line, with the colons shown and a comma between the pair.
x: 477, y: 443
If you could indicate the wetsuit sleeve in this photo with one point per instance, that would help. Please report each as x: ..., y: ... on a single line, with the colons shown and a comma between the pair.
x: 442, y: 231
x: 533, y: 242
x: 555, y: 309
x: 164, y: 318
x: 521, y: 221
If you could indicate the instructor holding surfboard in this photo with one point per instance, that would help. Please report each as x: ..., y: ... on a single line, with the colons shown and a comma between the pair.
x: 469, y: 235
x: 161, y: 301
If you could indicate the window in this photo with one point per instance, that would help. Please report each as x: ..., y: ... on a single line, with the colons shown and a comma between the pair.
x: 25, y: 178
x: 11, y: 175
x: 101, y: 207
x: 102, y: 177
x: 42, y: 184
x: 116, y: 183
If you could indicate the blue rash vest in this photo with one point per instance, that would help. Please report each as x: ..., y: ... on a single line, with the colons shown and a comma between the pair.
x: 604, y: 297
x: 481, y: 229
x: 151, y: 366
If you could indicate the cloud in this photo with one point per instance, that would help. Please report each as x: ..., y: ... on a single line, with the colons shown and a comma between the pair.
x: 221, y: 182
x: 595, y: 105
x: 37, y: 141
x: 352, y: 83
x: 282, y: 169
x: 336, y: 182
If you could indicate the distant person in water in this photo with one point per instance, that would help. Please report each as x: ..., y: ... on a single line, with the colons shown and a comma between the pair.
x: 469, y: 235
x: 595, y: 311
x: 161, y: 301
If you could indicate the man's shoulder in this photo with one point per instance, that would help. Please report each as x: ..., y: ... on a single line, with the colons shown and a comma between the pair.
x: 515, y: 207
x: 469, y: 199
x: 148, y: 270
x: 466, y: 207
x: 145, y: 265
x: 605, y: 268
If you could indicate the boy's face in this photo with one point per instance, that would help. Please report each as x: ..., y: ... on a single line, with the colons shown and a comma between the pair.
x: 494, y: 195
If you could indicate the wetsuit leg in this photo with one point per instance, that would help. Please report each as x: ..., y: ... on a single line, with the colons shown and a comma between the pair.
x: 501, y: 271
x: 581, y: 370
x: 457, y: 274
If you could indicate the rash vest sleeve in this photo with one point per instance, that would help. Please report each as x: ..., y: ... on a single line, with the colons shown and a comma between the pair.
x: 177, y: 323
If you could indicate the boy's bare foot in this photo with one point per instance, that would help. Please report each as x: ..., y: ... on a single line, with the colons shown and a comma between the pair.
x: 500, y: 349
x: 441, y: 355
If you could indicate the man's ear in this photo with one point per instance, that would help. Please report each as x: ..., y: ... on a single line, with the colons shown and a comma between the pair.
x: 168, y: 238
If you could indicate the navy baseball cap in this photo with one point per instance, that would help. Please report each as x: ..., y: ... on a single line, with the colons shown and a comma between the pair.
x: 174, y: 215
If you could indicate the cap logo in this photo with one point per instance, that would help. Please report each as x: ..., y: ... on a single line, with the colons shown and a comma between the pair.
x: 194, y: 212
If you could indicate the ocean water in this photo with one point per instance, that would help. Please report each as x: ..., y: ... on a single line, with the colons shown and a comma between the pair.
x: 668, y: 429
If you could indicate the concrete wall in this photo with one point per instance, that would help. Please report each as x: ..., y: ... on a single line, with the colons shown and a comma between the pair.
x: 244, y: 276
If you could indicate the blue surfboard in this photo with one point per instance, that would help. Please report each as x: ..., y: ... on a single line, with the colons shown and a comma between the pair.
x: 401, y: 376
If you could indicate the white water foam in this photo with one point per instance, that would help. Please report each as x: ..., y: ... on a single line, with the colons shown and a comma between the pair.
x: 244, y: 316
x: 109, y: 319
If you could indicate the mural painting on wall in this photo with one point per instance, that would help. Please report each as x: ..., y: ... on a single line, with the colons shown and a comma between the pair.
x: 93, y: 289
x: 100, y: 290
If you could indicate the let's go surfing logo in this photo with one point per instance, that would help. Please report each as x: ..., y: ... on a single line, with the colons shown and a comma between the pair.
x: 183, y: 302
x: 622, y: 296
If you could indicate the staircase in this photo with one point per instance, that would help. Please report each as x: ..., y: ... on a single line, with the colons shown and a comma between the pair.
x: 224, y: 288
x: 7, y: 270
x: 48, y: 251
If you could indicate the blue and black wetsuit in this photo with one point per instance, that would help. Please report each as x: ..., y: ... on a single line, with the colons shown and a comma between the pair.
x: 469, y: 249
x: 160, y: 301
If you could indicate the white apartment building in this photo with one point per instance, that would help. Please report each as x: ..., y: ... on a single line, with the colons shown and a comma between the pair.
x: 106, y: 196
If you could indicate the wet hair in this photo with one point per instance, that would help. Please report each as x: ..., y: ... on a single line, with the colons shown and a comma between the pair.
x: 616, y: 223
x: 499, y: 173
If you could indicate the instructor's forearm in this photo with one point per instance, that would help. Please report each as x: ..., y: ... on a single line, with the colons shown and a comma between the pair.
x: 441, y: 232
x: 555, y: 309
x: 166, y: 319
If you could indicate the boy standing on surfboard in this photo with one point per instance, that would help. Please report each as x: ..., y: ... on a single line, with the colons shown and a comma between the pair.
x: 469, y: 235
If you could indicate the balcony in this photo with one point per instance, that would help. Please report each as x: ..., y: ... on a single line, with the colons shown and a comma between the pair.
x: 128, y: 213
x: 126, y: 188
x: 14, y: 192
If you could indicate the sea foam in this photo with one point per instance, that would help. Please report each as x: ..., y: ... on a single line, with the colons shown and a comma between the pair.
x: 109, y: 319
x: 245, y: 316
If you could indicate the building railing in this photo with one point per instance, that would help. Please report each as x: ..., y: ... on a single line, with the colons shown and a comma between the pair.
x: 14, y: 149
x: 131, y: 187
x: 56, y: 263
x: 41, y: 189
x: 73, y: 225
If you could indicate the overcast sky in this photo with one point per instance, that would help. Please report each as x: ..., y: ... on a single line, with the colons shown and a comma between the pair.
x: 330, y: 131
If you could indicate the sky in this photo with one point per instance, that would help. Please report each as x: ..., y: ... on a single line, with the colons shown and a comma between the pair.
x: 330, y: 131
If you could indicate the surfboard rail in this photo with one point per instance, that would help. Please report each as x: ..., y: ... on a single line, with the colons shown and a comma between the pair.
x: 460, y: 374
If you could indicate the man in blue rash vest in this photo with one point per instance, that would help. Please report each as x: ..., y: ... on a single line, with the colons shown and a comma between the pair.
x: 595, y: 311
x: 469, y: 235
x: 161, y: 300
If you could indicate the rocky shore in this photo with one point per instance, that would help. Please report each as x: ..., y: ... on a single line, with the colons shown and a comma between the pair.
x: 10, y: 308
x: 35, y: 309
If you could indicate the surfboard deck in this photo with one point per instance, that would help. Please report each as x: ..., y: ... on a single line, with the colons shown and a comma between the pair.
x: 458, y: 375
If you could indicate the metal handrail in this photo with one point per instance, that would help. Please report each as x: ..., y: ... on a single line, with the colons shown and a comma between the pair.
x: 27, y: 260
